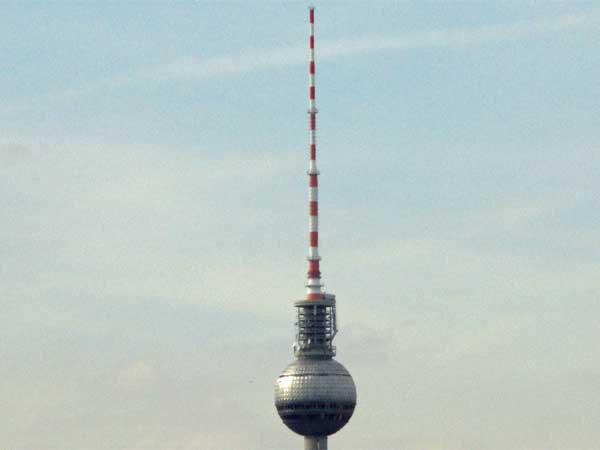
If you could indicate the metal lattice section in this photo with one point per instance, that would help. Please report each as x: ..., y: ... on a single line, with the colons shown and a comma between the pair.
x: 316, y: 327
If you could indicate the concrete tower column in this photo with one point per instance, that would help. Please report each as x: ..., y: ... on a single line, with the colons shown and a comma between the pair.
x: 315, y: 442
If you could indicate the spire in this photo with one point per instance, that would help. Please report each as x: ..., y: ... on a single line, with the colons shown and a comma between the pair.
x: 314, y: 288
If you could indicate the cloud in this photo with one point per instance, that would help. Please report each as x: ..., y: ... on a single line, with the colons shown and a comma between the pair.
x: 12, y: 152
x: 191, y: 68
x: 138, y: 375
x: 83, y: 217
x: 147, y: 297
x: 460, y: 37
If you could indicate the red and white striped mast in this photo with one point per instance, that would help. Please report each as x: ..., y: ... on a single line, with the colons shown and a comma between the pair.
x: 314, y: 288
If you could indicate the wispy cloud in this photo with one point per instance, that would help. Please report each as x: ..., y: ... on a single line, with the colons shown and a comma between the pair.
x: 461, y: 37
x: 192, y: 68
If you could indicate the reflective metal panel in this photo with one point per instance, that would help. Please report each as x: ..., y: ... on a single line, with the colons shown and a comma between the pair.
x: 315, y: 397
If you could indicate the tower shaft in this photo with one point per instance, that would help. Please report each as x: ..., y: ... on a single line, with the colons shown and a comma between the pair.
x: 315, y: 442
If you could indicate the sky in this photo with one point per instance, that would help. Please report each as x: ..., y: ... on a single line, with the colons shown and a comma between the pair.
x: 153, y: 165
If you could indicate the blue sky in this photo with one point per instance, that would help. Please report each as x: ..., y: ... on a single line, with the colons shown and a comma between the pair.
x: 153, y: 165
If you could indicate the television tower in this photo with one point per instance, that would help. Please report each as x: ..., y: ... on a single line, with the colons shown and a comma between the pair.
x: 315, y: 395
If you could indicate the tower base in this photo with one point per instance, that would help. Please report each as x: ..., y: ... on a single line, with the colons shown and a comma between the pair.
x: 315, y: 442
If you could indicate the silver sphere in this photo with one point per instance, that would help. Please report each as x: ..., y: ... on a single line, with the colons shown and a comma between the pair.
x: 315, y: 397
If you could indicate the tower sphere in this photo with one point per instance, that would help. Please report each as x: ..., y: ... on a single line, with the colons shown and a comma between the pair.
x: 315, y: 397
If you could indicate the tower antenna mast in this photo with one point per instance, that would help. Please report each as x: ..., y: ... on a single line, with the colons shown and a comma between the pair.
x: 314, y: 288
